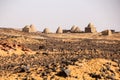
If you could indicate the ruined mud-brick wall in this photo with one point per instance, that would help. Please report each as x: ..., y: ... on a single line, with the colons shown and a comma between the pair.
x: 90, y: 30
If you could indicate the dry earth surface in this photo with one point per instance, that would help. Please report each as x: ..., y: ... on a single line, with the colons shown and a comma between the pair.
x: 68, y: 56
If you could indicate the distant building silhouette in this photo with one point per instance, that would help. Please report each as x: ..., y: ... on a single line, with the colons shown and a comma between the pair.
x: 106, y: 32
x: 46, y: 30
x: 90, y: 28
x: 28, y: 28
x: 77, y: 30
x: 59, y: 30
x: 73, y: 28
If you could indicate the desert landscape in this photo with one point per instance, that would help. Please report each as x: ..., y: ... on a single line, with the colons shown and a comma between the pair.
x: 34, y: 55
x: 59, y: 39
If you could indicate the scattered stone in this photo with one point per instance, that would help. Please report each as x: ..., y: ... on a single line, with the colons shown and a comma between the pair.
x: 45, y: 53
x: 62, y: 54
x: 19, y: 70
x: 41, y: 47
x: 25, y: 78
x: 22, y: 68
x: 64, y: 73
x: 110, y: 77
x: 44, y: 74
x: 94, y: 75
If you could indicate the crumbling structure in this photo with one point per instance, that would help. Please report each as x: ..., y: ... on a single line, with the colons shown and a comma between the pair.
x: 77, y: 30
x: 59, y: 30
x: 66, y: 31
x: 73, y: 28
x: 32, y: 27
x: 90, y: 28
x: 46, y: 30
x: 107, y: 32
x: 113, y: 31
x: 28, y: 28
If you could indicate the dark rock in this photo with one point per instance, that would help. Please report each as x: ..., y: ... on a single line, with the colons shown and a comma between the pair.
x: 52, y: 77
x: 110, y: 77
x: 94, y: 75
x: 44, y: 74
x: 19, y: 70
x: 64, y: 73
x: 25, y: 78
x: 41, y: 47
x: 45, y: 78
x: 108, y: 67
x: 45, y: 53
x: 103, y: 70
x: 33, y: 79
x: 66, y: 62
x: 48, y: 71
x: 54, y: 69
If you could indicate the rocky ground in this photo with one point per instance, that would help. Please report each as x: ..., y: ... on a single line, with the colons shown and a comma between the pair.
x: 38, y: 56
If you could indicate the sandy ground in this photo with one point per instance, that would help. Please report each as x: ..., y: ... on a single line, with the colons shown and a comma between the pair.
x: 69, y: 56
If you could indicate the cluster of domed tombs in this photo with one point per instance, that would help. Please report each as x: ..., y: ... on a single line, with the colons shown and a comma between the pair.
x: 75, y: 29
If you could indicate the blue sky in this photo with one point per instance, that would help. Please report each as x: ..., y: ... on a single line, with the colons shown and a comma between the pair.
x: 105, y: 14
